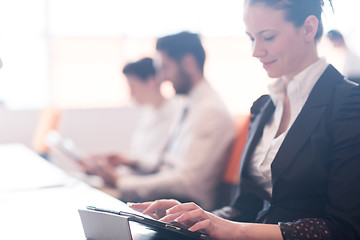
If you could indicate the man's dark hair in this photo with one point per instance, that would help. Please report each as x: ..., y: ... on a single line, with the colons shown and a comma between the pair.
x: 143, y: 69
x: 178, y: 45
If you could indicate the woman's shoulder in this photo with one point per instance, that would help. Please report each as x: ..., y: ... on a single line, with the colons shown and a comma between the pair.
x: 259, y: 104
x: 340, y: 92
x: 347, y: 96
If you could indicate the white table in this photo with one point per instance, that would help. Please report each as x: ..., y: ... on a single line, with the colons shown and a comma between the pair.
x: 39, y: 201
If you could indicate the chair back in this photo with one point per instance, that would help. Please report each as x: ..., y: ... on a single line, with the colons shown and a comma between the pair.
x: 230, y: 180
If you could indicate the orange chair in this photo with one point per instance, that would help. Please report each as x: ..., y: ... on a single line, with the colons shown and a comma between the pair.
x: 230, y: 180
x: 48, y: 120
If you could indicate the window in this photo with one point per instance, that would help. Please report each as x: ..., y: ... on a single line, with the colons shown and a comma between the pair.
x: 70, y: 53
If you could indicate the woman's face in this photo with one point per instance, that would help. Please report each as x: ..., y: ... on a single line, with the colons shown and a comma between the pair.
x: 277, y: 43
x: 139, y: 89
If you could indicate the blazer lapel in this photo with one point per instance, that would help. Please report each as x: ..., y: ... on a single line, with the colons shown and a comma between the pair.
x: 306, y: 122
x: 256, y: 131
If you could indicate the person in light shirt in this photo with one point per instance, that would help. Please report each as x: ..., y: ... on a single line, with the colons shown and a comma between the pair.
x: 192, y: 162
x: 340, y: 53
x: 299, y: 174
x: 157, y: 116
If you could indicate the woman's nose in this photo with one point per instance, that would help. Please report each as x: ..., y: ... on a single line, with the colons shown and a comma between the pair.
x: 258, y: 50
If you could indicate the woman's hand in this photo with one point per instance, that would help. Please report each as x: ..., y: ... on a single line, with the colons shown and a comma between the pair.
x: 188, y: 215
x: 156, y: 209
x: 197, y: 219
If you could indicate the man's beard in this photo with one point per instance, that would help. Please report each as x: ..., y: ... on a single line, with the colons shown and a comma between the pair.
x: 184, y: 83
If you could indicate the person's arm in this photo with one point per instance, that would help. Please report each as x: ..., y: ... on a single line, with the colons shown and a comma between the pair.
x: 219, y: 228
x: 199, y: 163
x: 310, y: 228
x: 152, y: 134
x: 104, y: 165
x: 341, y: 219
x: 192, y: 216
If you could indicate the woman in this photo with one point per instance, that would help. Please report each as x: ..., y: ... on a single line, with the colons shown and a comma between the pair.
x: 300, y: 175
x: 151, y: 134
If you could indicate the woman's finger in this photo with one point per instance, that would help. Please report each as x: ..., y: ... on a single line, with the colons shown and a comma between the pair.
x: 203, y: 225
x: 160, y: 206
x: 193, y: 215
x: 156, y: 209
x: 140, y: 207
x: 171, y: 217
x: 183, y: 208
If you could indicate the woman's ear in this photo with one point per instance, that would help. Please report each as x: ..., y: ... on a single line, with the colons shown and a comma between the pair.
x: 310, y: 28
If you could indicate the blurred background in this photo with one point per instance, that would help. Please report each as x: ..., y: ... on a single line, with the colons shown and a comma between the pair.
x: 68, y: 55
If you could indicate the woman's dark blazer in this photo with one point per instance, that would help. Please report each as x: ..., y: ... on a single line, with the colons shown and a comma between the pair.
x: 316, y: 172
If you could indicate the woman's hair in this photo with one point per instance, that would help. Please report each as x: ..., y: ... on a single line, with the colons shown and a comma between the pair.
x: 143, y: 69
x: 296, y: 11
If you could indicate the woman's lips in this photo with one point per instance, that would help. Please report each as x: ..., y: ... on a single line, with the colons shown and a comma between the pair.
x: 267, y: 65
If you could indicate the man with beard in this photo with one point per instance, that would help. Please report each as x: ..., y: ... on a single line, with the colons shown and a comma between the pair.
x: 193, y: 159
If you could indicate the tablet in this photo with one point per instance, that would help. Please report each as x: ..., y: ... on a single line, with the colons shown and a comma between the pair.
x: 152, y: 223
x: 65, y: 145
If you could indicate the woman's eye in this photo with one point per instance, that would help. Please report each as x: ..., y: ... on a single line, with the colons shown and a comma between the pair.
x: 269, y: 38
x: 251, y: 39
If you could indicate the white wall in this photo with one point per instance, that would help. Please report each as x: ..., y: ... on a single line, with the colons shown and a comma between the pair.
x: 18, y: 126
x: 103, y: 129
x: 95, y: 131
x: 92, y: 130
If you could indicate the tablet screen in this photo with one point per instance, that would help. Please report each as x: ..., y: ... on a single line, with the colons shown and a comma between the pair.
x: 153, y: 223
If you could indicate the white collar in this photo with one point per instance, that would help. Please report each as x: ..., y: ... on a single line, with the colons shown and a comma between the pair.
x: 198, y: 89
x: 301, y: 85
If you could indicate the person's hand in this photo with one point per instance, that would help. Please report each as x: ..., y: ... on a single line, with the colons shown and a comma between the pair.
x: 87, y: 166
x: 197, y: 219
x: 117, y: 159
x: 156, y: 209
x: 106, y: 171
x: 92, y: 164
x: 114, y: 159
